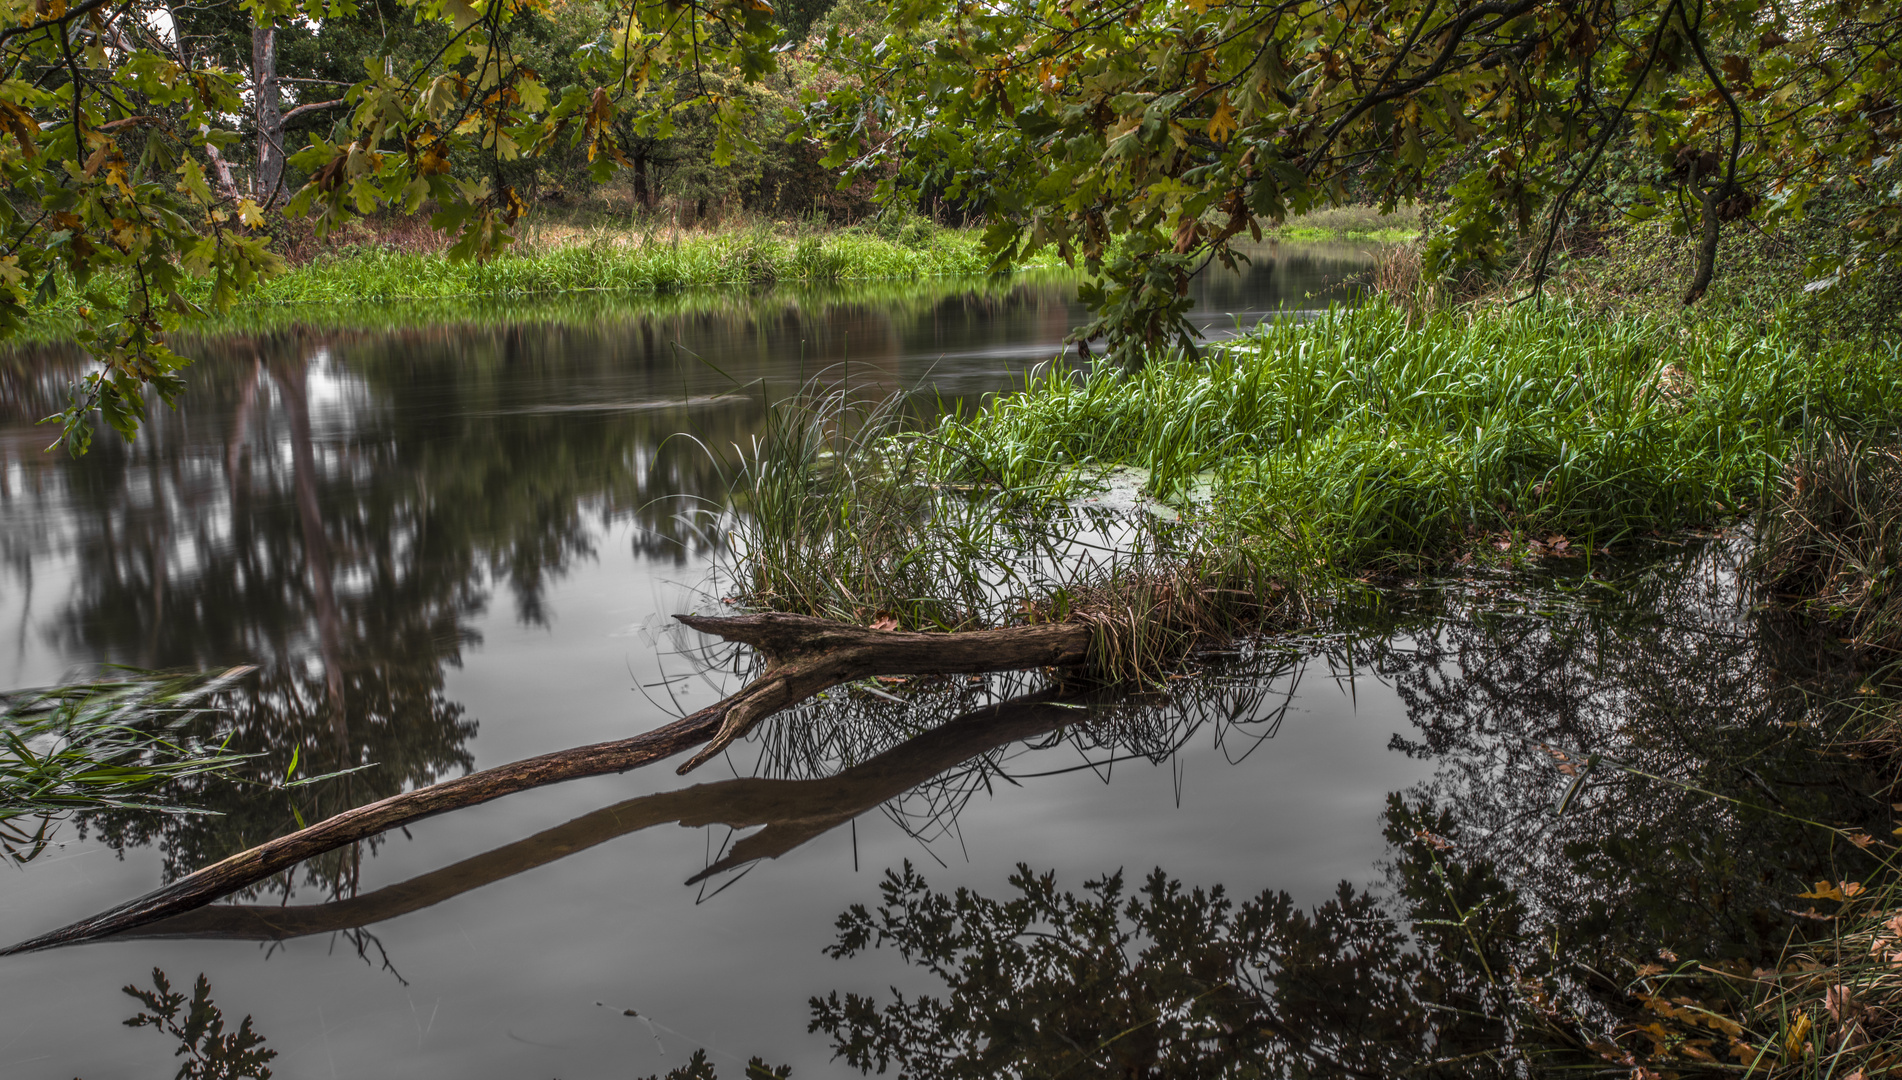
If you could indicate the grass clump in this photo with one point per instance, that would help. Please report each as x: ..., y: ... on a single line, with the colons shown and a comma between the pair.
x: 1830, y: 543
x: 102, y: 745
x: 1368, y: 442
x: 837, y: 512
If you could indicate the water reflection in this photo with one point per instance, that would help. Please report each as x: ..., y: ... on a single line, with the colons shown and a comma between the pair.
x: 1627, y: 766
x: 338, y: 501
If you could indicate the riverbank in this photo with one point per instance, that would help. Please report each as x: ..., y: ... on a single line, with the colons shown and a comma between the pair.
x: 1370, y: 441
x: 1292, y: 468
x: 1289, y: 474
x: 570, y: 262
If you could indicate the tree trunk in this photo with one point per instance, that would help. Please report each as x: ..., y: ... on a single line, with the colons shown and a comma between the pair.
x: 221, y: 170
x: 1707, y: 238
x: 269, y: 114
x: 804, y: 656
x: 642, y: 194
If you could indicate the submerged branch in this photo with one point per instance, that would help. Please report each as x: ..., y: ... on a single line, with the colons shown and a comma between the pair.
x: 804, y: 656
x: 792, y: 811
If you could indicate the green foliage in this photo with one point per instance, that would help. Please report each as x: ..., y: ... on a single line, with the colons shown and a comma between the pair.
x: 1182, y: 125
x: 199, y: 1026
x: 112, y: 126
x: 1365, y: 440
x: 107, y: 745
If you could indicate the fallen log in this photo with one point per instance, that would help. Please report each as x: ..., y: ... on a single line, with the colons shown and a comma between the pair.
x: 804, y: 657
x: 792, y: 811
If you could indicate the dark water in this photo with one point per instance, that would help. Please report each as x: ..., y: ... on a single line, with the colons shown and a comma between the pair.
x: 456, y: 545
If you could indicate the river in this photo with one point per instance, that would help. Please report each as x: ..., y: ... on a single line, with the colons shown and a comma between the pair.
x: 452, y: 545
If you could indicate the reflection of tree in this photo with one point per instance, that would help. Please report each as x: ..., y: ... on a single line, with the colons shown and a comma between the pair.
x: 1674, y: 681
x: 1169, y: 982
x: 1524, y: 923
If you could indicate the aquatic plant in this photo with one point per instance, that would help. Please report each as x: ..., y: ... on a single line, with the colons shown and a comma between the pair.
x: 837, y: 512
x: 105, y: 745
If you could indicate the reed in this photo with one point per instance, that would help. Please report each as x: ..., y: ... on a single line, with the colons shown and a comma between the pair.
x: 104, y: 745
x: 835, y: 512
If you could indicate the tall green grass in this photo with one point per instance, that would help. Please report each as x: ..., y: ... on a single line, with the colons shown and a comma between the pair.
x: 364, y: 276
x: 656, y: 265
x: 106, y: 745
x: 835, y: 513
x: 1363, y: 440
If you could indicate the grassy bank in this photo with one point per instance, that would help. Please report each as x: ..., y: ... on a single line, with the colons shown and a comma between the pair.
x: 590, y: 307
x: 1368, y: 442
x: 1365, y: 223
x: 632, y: 265
x: 568, y: 261
x: 1318, y: 454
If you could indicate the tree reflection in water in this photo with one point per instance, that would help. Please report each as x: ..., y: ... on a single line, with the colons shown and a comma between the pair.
x: 1504, y: 931
x: 1622, y: 775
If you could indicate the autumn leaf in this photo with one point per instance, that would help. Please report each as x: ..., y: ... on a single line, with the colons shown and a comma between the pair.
x: 1222, y: 124
x: 250, y: 213
x: 1838, y: 892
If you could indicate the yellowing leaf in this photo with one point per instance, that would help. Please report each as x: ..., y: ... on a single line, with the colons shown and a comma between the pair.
x: 250, y: 213
x: 1799, y: 1031
x: 1222, y: 124
x: 1838, y: 892
x: 464, y: 13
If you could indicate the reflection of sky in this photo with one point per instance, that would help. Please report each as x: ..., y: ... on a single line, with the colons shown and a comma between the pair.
x: 503, y: 981
x: 511, y: 972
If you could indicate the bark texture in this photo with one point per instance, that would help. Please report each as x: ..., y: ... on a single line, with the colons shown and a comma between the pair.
x: 805, y: 656
x: 270, y: 114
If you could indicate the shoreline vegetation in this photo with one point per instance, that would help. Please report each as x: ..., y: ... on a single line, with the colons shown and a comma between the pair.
x: 371, y: 270
x: 1306, y: 458
x: 405, y: 262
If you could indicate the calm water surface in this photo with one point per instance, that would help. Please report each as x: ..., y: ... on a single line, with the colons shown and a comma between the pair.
x: 452, y: 546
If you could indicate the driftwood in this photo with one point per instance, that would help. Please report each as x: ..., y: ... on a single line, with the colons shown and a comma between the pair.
x: 804, y: 657
x: 793, y: 811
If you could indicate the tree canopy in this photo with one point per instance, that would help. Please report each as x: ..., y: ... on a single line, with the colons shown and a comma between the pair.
x: 1179, y: 125
x: 1142, y: 137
